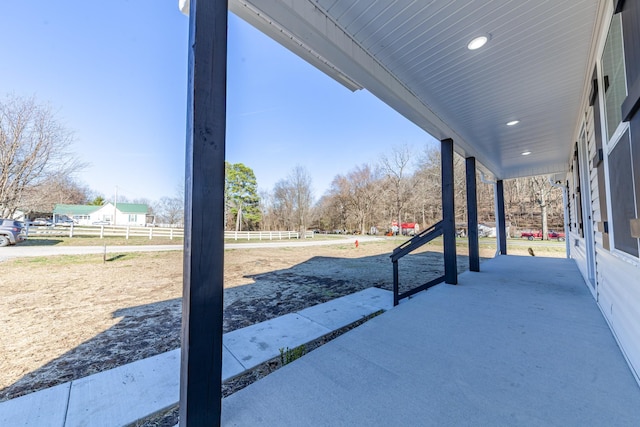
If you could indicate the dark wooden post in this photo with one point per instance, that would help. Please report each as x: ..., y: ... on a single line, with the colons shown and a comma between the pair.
x: 472, y: 215
x: 448, y: 213
x: 201, y: 360
x: 500, y: 221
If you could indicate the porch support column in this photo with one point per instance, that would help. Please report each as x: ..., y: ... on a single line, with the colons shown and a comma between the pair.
x: 448, y: 212
x: 501, y: 225
x: 472, y: 215
x: 201, y: 357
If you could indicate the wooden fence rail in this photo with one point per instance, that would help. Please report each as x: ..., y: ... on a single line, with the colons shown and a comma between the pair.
x: 265, y: 235
x: 103, y: 231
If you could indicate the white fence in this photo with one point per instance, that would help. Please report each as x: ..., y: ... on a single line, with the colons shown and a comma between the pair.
x: 103, y: 231
x: 265, y: 235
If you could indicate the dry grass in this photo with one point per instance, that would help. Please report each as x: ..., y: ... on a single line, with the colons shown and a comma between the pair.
x: 67, y: 317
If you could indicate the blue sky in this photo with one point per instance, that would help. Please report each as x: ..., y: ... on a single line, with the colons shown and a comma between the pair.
x: 116, y: 74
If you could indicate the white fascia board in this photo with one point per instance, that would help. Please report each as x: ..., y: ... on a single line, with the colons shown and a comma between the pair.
x: 271, y: 28
x: 280, y: 34
x: 183, y: 5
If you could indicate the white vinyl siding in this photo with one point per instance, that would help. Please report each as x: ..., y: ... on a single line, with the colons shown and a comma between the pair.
x: 618, y: 299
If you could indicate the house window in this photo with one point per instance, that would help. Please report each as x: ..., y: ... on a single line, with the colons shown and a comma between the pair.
x: 133, y: 218
x: 613, y: 76
x: 618, y: 136
x: 622, y: 196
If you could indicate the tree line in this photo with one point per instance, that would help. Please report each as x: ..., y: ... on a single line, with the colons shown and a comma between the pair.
x: 38, y: 170
x: 404, y: 186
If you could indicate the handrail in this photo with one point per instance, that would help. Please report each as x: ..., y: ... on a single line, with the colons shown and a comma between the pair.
x: 416, y: 241
x: 406, y: 248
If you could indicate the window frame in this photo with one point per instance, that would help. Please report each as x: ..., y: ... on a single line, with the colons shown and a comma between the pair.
x: 609, y: 144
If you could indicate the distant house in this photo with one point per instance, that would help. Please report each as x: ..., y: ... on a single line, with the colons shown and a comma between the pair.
x: 120, y: 214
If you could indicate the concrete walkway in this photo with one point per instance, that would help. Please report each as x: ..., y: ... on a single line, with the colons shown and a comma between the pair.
x: 520, y: 343
x: 128, y: 393
x: 47, y: 251
x: 19, y: 251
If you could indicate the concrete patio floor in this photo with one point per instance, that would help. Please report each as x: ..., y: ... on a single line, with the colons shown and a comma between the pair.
x: 520, y: 343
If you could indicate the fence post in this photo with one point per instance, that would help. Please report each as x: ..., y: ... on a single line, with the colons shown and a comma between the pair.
x: 150, y: 233
x: 102, y: 231
x: 71, y: 231
x: 127, y: 236
x: 171, y: 234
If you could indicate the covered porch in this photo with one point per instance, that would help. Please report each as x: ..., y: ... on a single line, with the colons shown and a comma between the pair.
x: 509, y: 87
x: 520, y: 343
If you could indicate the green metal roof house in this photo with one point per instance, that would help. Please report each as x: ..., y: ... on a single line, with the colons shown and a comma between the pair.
x: 121, y: 214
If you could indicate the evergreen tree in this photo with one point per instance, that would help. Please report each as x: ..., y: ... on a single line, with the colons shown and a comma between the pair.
x: 241, y: 197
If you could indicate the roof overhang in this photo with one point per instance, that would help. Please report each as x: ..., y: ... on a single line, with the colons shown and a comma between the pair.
x: 413, y: 56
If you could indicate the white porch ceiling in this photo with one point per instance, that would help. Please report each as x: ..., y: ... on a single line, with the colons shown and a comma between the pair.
x: 412, y: 55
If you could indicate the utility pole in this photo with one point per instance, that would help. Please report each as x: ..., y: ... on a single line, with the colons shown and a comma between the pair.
x: 115, y: 206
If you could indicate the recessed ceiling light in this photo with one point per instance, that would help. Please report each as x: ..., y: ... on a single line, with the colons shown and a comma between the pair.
x: 513, y: 122
x: 526, y: 153
x: 477, y: 42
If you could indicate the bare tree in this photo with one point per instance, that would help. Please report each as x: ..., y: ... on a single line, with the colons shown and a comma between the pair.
x: 56, y: 190
x: 170, y: 210
x: 395, y: 166
x: 34, y: 147
x: 336, y: 205
x: 427, y: 185
x: 356, y: 195
x: 541, y: 191
x: 292, y: 200
x: 283, y: 205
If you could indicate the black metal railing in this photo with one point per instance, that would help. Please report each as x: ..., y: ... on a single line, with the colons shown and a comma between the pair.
x: 406, y: 248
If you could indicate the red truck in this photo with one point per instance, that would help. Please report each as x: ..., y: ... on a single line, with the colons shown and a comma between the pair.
x: 538, y: 235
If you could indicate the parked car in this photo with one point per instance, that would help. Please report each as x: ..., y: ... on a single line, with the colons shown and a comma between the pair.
x: 41, y: 222
x: 101, y: 223
x: 11, y: 232
x: 555, y: 235
x: 530, y: 235
x: 66, y: 222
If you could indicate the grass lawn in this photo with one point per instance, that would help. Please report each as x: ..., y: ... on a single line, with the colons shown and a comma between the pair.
x: 96, y: 241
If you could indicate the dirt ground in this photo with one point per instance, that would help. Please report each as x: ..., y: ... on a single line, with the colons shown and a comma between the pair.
x: 67, y: 317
